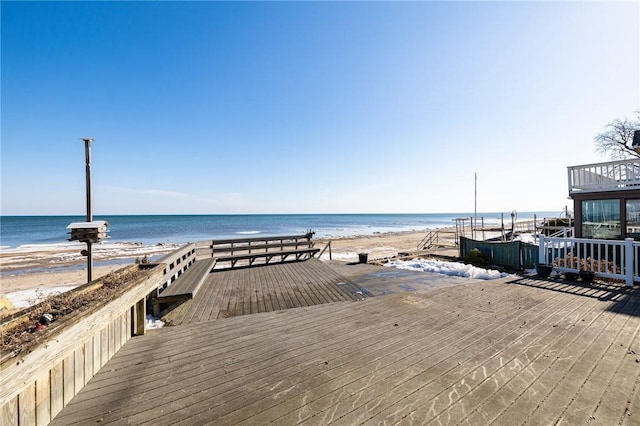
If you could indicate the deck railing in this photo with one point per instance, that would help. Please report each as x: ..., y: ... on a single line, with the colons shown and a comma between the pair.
x: 177, y: 263
x: 607, y: 258
x: 609, y: 176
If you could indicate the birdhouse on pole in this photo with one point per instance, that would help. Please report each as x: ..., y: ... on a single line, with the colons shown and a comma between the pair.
x: 88, y: 232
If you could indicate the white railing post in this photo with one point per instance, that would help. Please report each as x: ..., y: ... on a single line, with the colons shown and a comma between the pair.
x: 629, y: 261
x: 542, y: 251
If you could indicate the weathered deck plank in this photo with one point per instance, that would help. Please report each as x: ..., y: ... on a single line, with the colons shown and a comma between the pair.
x: 189, y: 283
x: 263, y: 289
x: 505, y: 352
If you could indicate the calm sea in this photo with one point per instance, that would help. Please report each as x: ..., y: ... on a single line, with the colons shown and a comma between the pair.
x: 16, y: 231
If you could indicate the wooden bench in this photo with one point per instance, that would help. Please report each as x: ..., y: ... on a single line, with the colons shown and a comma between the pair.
x: 300, y: 254
x: 228, y: 248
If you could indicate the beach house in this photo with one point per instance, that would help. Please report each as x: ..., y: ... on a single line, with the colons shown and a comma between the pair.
x: 606, y: 199
x: 606, y: 205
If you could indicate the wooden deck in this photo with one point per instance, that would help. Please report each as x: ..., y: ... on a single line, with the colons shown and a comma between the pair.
x: 503, y: 352
x: 231, y: 293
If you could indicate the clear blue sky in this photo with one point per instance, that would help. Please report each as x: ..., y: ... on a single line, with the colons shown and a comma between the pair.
x: 321, y: 107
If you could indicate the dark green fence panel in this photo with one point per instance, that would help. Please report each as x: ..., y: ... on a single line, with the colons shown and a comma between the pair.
x: 529, y: 256
x: 513, y: 254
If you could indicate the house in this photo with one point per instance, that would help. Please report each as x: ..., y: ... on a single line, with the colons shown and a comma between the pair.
x: 606, y: 199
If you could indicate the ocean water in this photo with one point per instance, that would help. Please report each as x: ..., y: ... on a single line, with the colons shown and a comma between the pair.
x: 16, y: 231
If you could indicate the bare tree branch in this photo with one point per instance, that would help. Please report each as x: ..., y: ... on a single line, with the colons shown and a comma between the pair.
x: 617, y: 138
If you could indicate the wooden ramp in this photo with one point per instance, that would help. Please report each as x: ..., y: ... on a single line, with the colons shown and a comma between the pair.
x: 185, y: 287
x: 267, y: 288
x: 504, y: 352
x: 188, y: 284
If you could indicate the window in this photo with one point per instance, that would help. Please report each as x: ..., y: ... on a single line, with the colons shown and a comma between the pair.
x: 633, y: 219
x: 601, y: 219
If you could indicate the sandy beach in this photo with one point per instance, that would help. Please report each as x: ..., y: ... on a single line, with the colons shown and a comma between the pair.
x: 65, y: 267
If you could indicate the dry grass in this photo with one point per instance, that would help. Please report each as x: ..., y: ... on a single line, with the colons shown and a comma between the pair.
x: 583, y: 264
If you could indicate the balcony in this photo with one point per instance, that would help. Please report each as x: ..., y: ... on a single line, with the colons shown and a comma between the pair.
x: 622, y: 175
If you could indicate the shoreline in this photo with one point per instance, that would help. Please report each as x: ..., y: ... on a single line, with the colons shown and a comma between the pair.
x: 65, y: 266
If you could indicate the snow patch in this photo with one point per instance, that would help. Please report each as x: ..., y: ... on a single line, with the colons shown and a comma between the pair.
x: 454, y: 269
x: 26, y: 298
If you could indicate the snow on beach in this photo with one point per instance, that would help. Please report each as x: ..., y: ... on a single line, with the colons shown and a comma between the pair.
x: 25, y: 298
x: 104, y: 249
x: 447, y: 268
x: 45, y: 255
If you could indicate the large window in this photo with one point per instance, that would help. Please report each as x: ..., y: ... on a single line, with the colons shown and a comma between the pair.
x: 601, y: 219
x: 633, y: 219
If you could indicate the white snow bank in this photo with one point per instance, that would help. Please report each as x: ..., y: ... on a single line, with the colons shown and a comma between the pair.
x: 527, y: 238
x: 447, y: 268
x: 25, y: 298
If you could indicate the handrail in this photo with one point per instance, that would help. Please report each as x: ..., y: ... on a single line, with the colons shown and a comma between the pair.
x: 608, y: 176
x: 177, y: 262
x: 564, y: 233
x: 428, y: 240
x: 325, y: 247
x: 283, y: 238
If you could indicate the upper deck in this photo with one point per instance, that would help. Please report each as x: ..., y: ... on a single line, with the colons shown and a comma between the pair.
x: 622, y: 175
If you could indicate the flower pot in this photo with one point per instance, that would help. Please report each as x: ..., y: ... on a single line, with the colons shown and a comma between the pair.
x: 363, y: 257
x: 571, y: 276
x: 544, y: 271
x: 587, y: 276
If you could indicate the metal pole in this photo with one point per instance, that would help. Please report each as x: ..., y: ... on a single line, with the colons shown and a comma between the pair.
x: 475, y: 202
x: 87, y: 157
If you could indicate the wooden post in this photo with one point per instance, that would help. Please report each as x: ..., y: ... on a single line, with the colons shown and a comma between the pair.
x: 141, y: 316
x: 542, y: 255
x: 473, y: 232
x: 629, y: 261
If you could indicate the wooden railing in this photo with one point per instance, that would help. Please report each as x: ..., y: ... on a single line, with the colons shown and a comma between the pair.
x: 609, y: 176
x: 328, y: 246
x: 607, y: 258
x: 177, y: 263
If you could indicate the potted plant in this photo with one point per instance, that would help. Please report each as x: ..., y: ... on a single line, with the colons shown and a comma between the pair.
x: 587, y: 276
x: 571, y: 276
x: 544, y: 270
